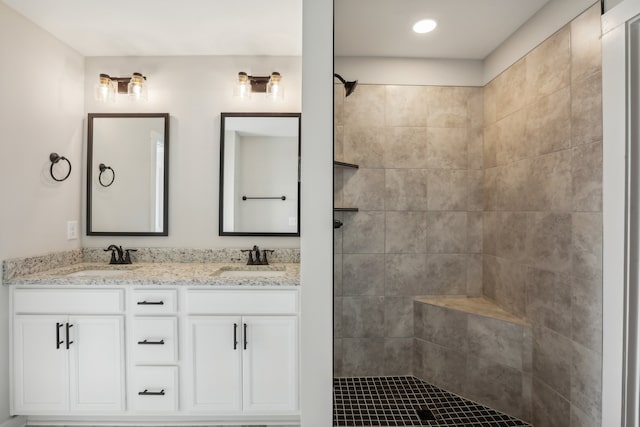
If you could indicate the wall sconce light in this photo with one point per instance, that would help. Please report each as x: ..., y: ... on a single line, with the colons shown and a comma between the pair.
x: 269, y: 85
x: 135, y: 87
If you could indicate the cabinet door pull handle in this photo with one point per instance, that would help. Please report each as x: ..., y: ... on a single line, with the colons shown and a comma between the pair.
x: 235, y: 336
x: 150, y: 302
x: 151, y: 393
x: 147, y: 342
x: 245, y: 336
x: 58, y: 342
x: 69, y: 326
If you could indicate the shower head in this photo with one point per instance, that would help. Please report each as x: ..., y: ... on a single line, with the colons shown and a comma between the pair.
x: 349, y: 87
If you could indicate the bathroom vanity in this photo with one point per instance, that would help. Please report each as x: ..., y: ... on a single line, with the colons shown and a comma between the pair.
x: 176, y: 342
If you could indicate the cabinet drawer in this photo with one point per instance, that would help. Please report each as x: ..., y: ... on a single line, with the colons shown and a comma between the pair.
x: 155, y: 340
x: 242, y: 302
x: 154, y: 301
x: 155, y: 389
x: 69, y: 301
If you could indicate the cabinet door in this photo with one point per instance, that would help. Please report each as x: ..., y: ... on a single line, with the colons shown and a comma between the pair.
x: 270, y: 380
x: 216, y: 345
x: 40, y: 365
x: 96, y: 361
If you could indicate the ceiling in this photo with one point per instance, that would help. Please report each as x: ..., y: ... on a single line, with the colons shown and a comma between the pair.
x: 469, y: 29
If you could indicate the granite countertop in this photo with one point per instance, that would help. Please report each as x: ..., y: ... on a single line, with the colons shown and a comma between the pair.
x: 163, y: 273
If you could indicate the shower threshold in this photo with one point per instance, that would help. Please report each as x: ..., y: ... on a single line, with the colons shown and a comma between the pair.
x: 408, y: 401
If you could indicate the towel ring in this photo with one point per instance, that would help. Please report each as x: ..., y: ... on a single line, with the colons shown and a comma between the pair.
x: 103, y: 168
x: 55, y: 158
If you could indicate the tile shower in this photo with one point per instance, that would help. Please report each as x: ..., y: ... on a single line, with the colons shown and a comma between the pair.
x: 490, y: 192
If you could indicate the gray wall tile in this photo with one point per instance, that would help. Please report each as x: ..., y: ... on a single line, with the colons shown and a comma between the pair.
x: 446, y: 275
x: 447, y: 107
x: 404, y: 274
x: 549, y: 409
x: 406, y: 232
x: 549, y: 65
x: 586, y: 110
x: 362, y: 357
x: 496, y: 340
x: 364, y: 233
x: 447, y: 148
x: 405, y: 189
x: 445, y: 327
x: 447, y: 190
x: 405, y: 105
x: 548, y: 125
x: 398, y: 356
x: 398, y: 317
x: 365, y: 107
x: 446, y: 232
x: 495, y: 385
x: 363, y: 274
x: 405, y: 148
x: 552, y: 354
x: 586, y: 49
x: 549, y: 299
x: 586, y: 381
x: 441, y: 366
x: 364, y: 189
x: 364, y: 145
x: 363, y: 317
x: 586, y: 168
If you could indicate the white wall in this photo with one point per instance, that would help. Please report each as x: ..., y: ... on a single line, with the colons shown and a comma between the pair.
x: 410, y: 71
x: 194, y: 91
x: 449, y: 72
x: 316, y: 242
x: 41, y: 108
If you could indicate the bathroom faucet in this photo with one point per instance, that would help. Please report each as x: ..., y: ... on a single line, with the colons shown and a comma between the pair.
x: 259, y: 259
x: 123, y: 257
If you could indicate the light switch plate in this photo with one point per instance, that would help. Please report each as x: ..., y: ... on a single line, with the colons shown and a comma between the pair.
x: 72, y: 230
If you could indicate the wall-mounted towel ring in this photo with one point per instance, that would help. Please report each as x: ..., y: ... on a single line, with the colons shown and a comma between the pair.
x: 103, y: 168
x: 55, y: 158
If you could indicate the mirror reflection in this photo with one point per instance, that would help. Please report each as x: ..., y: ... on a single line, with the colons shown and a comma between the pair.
x: 127, y: 174
x: 259, y: 169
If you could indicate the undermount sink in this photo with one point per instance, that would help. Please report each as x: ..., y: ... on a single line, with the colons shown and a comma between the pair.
x: 255, y: 271
x: 98, y: 273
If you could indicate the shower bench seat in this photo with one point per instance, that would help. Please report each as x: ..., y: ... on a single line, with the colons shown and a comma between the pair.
x: 472, y: 347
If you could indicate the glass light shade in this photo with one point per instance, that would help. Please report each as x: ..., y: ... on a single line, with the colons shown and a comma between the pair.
x: 275, y: 90
x: 137, y: 87
x: 105, y: 89
x: 242, y: 88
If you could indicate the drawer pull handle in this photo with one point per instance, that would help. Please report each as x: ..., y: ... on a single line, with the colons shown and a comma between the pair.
x: 147, y: 342
x: 58, y: 342
x: 235, y: 336
x: 69, y: 326
x: 150, y: 302
x: 245, y: 336
x: 151, y: 393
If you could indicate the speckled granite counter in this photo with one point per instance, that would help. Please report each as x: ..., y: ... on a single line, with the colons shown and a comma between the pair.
x: 163, y: 273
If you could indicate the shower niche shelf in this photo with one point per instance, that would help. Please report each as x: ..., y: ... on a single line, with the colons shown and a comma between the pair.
x: 345, y: 165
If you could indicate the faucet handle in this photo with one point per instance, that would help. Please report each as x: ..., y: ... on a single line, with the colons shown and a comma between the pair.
x: 250, y: 261
x: 265, y: 261
x: 127, y: 255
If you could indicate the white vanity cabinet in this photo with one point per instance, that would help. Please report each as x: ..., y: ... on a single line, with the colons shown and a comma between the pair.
x: 136, y: 353
x: 245, y: 351
x: 65, y: 361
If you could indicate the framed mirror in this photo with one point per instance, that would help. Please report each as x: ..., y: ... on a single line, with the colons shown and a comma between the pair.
x: 127, y: 174
x: 259, y: 174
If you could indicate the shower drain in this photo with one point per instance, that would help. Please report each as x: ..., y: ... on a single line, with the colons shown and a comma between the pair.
x: 425, y: 415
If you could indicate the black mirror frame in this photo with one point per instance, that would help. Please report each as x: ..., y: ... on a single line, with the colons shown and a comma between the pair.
x: 221, y: 231
x: 165, y: 223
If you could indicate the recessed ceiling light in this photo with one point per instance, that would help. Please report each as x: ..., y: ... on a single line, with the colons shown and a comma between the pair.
x: 424, y: 26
